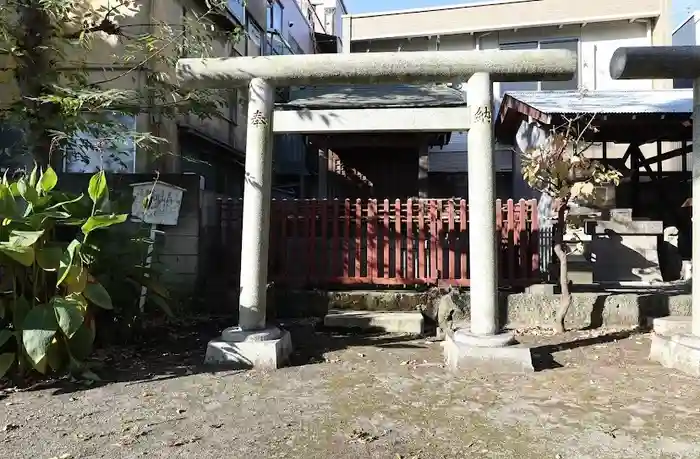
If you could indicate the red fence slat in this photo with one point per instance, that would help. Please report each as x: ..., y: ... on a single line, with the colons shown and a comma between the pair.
x: 410, y: 267
x: 387, y: 239
x: 358, y: 238
x: 372, y: 239
x: 303, y: 254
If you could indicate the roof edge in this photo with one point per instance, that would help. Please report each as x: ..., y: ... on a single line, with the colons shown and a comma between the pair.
x: 437, y: 8
x: 515, y: 25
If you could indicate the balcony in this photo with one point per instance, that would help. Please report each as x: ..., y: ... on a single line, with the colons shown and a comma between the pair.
x: 280, y: 46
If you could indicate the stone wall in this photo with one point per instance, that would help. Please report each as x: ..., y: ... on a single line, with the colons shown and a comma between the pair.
x: 517, y: 310
x: 178, y: 248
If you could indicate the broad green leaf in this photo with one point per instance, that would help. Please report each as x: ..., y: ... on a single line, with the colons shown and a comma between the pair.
x: 38, y: 220
x: 20, y: 309
x: 22, y: 255
x: 98, y: 295
x: 5, y: 336
x: 33, y: 176
x: 77, y: 278
x: 66, y: 203
x: 28, y: 193
x: 67, y: 260
x: 97, y: 188
x: 48, y: 180
x: 38, y: 330
x: 102, y: 221
x: 162, y: 304
x: 25, y: 238
x: 56, y: 356
x: 8, y: 207
x: 69, y: 314
x: 49, y: 258
x: 80, y: 346
x: 6, y: 361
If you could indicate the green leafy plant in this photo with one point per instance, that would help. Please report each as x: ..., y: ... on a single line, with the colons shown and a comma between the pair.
x: 48, y: 293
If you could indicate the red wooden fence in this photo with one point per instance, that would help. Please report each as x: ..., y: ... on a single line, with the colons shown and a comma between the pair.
x: 322, y: 243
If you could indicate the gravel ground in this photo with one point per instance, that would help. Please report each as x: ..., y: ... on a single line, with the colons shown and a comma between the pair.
x: 359, y: 396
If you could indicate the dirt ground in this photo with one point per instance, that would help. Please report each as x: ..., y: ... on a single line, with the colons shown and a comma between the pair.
x: 358, y: 396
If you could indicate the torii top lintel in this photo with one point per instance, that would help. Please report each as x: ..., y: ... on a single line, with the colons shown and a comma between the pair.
x: 377, y: 68
x: 644, y: 62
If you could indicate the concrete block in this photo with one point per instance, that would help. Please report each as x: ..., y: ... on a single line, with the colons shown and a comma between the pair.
x: 672, y: 325
x: 391, y: 322
x: 680, y: 352
x: 461, y: 355
x: 263, y: 354
x: 540, y: 289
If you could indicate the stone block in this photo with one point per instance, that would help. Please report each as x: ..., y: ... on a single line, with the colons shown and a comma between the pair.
x: 673, y: 325
x: 391, y: 322
x: 540, y: 289
x: 680, y: 352
x: 465, y: 353
x: 250, y: 351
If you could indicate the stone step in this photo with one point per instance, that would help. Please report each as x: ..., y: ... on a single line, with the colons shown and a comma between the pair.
x: 391, y: 322
x: 672, y: 325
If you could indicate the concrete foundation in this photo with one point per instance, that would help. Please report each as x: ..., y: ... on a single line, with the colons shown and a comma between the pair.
x: 266, y: 349
x: 673, y: 325
x: 463, y: 350
x: 391, y: 322
x: 680, y: 352
x: 515, y: 310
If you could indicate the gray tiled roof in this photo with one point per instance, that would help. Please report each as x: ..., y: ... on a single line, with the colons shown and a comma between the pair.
x: 374, y: 96
x: 608, y: 101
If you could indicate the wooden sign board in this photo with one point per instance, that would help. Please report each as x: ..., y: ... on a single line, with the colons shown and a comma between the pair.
x: 163, y: 205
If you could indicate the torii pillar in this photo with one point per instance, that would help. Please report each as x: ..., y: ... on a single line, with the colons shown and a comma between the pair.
x: 255, y: 343
x: 677, y: 346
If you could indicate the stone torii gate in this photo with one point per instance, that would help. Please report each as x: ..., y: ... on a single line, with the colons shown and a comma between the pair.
x: 679, y: 347
x: 253, y: 342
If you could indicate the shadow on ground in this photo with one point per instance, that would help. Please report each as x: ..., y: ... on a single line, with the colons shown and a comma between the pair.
x: 543, y: 356
x: 177, y: 349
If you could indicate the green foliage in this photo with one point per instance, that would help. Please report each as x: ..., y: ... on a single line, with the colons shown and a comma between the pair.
x: 49, y: 289
x: 82, y: 66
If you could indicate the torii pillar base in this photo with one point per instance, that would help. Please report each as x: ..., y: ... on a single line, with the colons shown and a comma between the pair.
x: 464, y: 350
x: 267, y: 349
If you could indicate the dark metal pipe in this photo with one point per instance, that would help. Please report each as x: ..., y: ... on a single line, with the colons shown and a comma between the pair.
x: 655, y: 62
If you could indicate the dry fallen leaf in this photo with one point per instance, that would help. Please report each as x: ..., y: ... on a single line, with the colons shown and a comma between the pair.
x: 360, y: 436
x: 184, y: 441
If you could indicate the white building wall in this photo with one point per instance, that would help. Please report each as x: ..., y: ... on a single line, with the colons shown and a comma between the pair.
x: 597, y: 42
x: 687, y: 33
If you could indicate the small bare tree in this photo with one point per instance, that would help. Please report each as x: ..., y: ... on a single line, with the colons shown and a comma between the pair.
x: 559, y: 168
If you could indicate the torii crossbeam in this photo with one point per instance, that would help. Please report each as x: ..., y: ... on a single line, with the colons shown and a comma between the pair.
x: 262, y: 74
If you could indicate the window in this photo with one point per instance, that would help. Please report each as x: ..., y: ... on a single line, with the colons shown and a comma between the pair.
x: 237, y: 9
x: 519, y: 85
x: 566, y: 43
x: 571, y: 85
x: 92, y: 151
x: 255, y: 37
x: 275, y: 16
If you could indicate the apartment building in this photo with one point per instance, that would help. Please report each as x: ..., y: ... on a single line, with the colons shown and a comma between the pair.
x: 593, y: 29
x: 687, y: 33
x: 213, y: 148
